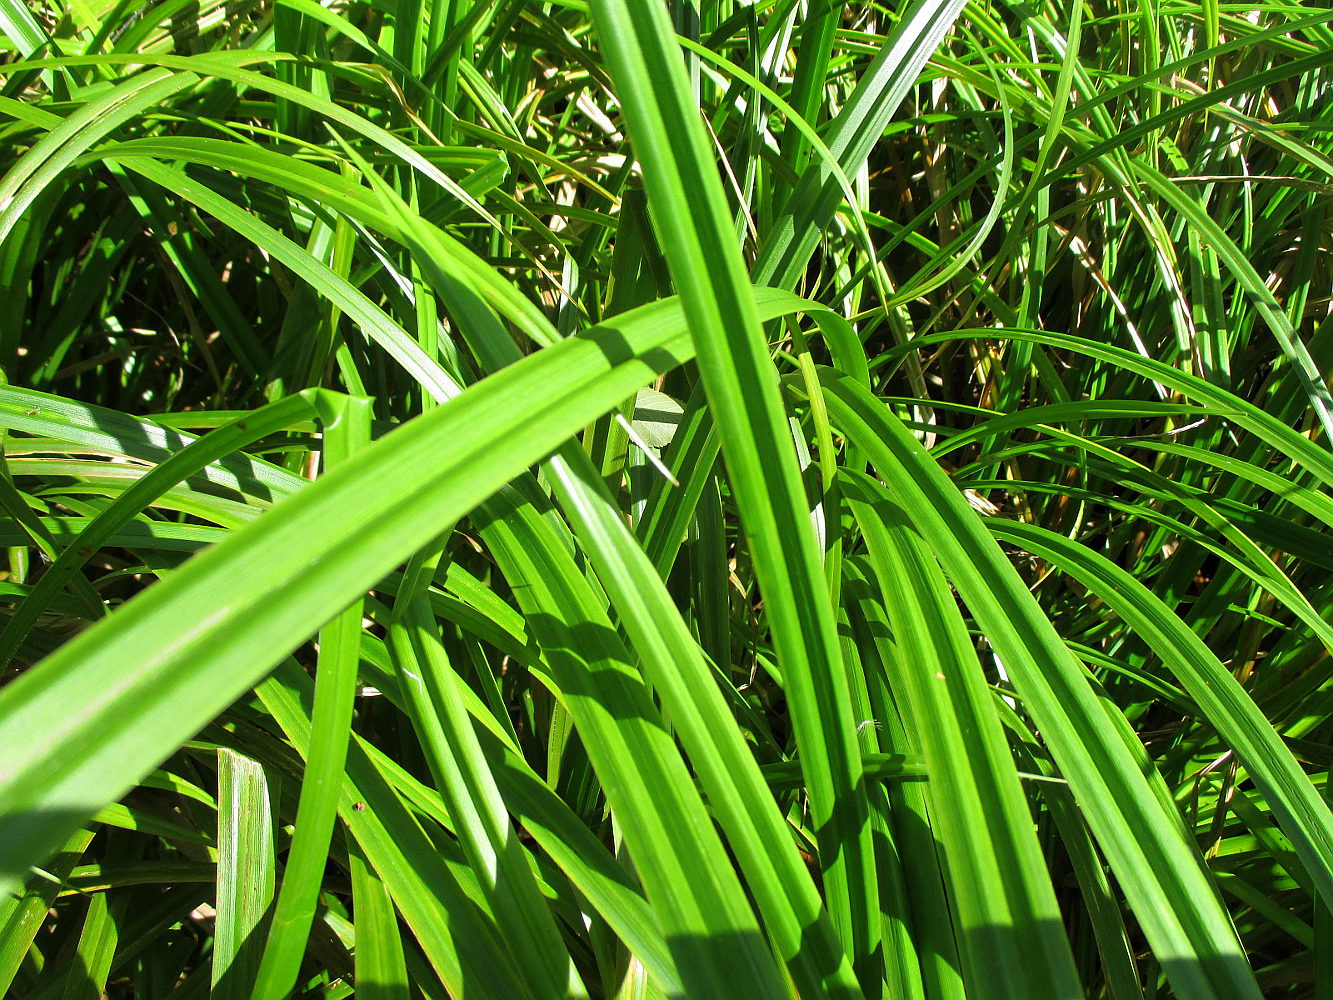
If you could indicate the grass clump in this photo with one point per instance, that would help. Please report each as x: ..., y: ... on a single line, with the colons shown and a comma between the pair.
x: 641, y: 499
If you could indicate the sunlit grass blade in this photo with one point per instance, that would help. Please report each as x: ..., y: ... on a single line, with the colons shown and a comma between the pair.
x: 852, y: 135
x: 469, y: 791
x: 688, y: 209
x: 53, y: 785
x: 48, y: 158
x: 1301, y: 809
x: 347, y: 431
x: 1000, y: 890
x: 179, y: 467
x: 713, y: 936
x: 456, y: 936
x: 737, y: 792
x: 381, y: 972
x: 1136, y: 826
x: 245, y: 874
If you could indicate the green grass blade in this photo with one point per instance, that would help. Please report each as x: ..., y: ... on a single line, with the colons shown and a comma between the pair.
x: 1000, y: 889
x: 347, y: 431
x: 1301, y: 810
x: 21, y: 914
x: 689, y: 211
x: 443, y: 463
x: 1141, y: 834
x: 381, y: 970
x: 436, y: 896
x: 792, y: 911
x: 179, y: 467
x: 51, y: 155
x: 470, y: 793
x: 852, y: 135
x: 245, y: 874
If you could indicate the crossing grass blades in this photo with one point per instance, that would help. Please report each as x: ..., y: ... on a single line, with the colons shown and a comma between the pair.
x: 643, y: 499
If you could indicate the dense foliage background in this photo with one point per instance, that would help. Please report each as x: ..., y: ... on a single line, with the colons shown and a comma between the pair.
x: 809, y: 498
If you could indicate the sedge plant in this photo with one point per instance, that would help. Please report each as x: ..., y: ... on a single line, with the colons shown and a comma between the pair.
x: 666, y: 499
